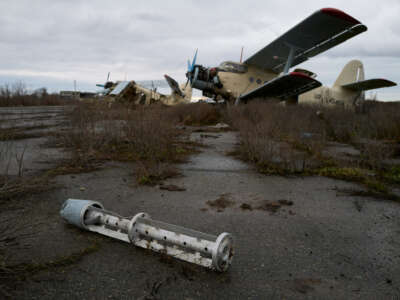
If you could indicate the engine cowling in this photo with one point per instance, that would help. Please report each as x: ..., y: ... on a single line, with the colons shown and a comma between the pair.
x: 204, y: 79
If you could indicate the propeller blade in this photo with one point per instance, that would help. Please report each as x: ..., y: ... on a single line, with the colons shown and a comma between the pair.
x: 191, y: 68
x: 196, y: 74
x: 191, y: 65
x: 194, y: 59
x: 108, y: 76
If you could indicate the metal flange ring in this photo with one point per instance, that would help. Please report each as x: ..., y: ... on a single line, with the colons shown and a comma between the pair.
x: 133, y: 232
x: 222, y: 254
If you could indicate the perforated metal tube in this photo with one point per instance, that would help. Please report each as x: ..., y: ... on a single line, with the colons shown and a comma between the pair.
x: 186, y: 244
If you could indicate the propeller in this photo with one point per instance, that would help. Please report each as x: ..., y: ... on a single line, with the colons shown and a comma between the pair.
x: 191, y: 69
x: 105, y: 84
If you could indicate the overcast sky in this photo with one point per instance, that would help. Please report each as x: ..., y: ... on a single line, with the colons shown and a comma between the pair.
x: 52, y: 43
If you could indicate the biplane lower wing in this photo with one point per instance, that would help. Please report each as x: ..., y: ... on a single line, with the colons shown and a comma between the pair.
x: 284, y: 87
x: 369, y: 84
x: 321, y: 31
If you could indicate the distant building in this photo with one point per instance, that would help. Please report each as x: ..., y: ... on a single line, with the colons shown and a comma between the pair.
x: 70, y: 95
x: 76, y: 95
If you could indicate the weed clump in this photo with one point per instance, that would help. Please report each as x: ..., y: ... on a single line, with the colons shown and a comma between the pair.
x: 195, y: 114
x: 222, y: 202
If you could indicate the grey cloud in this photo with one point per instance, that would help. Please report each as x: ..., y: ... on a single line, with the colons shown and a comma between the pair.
x: 83, y: 40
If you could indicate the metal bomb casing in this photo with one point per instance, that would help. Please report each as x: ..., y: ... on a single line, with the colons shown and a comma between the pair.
x: 215, y: 252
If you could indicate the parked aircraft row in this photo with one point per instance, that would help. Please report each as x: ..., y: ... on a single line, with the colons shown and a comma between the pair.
x: 267, y: 75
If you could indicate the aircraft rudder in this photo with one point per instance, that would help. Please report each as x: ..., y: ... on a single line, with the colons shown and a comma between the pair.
x: 352, y: 72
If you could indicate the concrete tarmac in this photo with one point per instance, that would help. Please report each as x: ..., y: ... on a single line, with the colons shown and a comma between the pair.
x: 325, y: 246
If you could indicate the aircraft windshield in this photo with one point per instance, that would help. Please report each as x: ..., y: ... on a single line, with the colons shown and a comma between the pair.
x: 229, y: 66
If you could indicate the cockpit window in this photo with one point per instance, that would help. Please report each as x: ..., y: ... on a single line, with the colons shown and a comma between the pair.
x: 229, y: 66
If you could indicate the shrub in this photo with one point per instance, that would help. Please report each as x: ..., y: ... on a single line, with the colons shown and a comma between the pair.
x: 195, y: 114
x: 142, y: 134
x: 292, y: 138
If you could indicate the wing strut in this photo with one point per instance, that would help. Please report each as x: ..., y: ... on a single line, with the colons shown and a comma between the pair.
x: 290, y: 59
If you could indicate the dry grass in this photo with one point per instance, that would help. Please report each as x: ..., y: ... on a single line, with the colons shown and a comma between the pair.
x: 145, y: 135
x: 152, y: 172
x: 13, y: 182
x: 13, y: 188
x: 291, y: 140
x: 276, y: 138
x: 11, y: 275
x: 195, y: 114
x: 15, y: 235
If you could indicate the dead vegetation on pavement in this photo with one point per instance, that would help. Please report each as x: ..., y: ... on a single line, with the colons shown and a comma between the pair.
x: 297, y: 140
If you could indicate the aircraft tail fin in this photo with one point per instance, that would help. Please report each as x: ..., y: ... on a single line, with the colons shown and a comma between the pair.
x: 173, y: 85
x: 353, y: 78
x: 181, y: 93
x: 352, y: 73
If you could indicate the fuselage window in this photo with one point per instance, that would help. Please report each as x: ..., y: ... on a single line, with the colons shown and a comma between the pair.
x: 232, y: 67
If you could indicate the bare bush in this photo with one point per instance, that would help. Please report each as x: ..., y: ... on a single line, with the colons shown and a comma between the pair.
x: 195, y: 114
x: 16, y: 94
x: 145, y: 132
x: 277, y: 137
x: 141, y: 134
x: 293, y: 137
x: 375, y: 153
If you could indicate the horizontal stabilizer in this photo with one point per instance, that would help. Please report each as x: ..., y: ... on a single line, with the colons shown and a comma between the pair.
x: 369, y: 84
x: 321, y: 31
x: 284, y: 87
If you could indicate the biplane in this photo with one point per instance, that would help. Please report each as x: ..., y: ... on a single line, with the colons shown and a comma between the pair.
x: 266, y: 74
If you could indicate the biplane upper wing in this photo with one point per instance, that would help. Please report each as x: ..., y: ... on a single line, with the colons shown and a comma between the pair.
x: 321, y: 31
x: 369, y: 84
x: 284, y: 87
